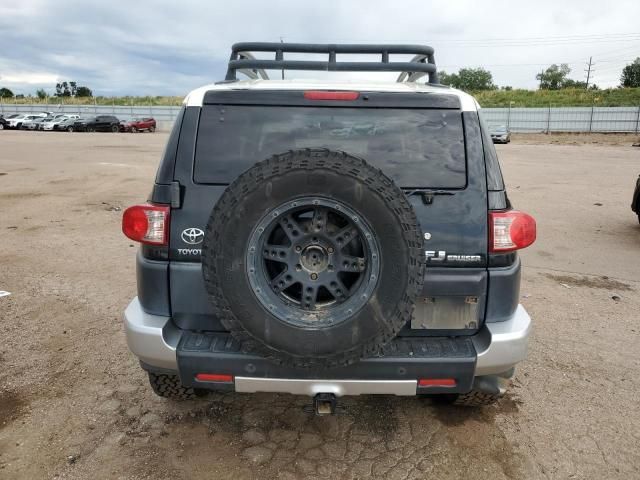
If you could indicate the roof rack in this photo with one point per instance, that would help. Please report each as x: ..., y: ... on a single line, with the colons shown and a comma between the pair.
x: 243, y: 61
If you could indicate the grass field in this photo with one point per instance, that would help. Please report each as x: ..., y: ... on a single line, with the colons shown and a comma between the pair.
x: 616, y: 97
x: 570, y: 97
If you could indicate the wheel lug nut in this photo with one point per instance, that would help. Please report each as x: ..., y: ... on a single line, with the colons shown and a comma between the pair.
x: 298, y: 248
x: 330, y: 249
x: 314, y: 276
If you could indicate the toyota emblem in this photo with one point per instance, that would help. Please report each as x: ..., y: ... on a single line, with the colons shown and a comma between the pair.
x: 192, y: 236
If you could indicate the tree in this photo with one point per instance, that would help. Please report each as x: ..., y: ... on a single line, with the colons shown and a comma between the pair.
x: 41, y: 93
x: 469, y: 79
x: 554, y: 77
x: 62, y: 89
x: 5, y: 93
x: 84, y: 92
x: 73, y: 87
x: 631, y: 74
x: 571, y: 83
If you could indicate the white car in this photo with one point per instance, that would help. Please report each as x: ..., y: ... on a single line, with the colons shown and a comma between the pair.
x: 54, y: 123
x: 21, y: 120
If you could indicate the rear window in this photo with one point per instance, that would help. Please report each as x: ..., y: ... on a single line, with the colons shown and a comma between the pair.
x: 417, y: 148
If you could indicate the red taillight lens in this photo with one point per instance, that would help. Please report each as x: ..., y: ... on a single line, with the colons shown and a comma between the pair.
x: 437, y: 382
x: 214, y: 377
x: 510, y: 231
x: 322, y: 95
x: 147, y: 224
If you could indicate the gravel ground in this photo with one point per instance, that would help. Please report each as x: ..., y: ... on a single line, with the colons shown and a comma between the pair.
x: 75, y: 404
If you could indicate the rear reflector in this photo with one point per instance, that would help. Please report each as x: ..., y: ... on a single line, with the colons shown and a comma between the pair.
x: 214, y: 377
x: 437, y: 382
x: 147, y: 224
x: 322, y: 95
x: 510, y: 230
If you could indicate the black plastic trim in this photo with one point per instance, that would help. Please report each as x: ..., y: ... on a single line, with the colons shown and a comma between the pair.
x: 408, y: 359
x: 296, y: 98
x: 503, y: 293
x: 153, y: 285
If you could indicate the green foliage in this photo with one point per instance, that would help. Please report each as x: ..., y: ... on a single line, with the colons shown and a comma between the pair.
x: 84, y: 92
x: 41, y: 94
x: 62, y: 89
x: 567, y: 97
x: 631, y: 74
x: 5, y: 93
x: 469, y: 79
x: 556, y: 77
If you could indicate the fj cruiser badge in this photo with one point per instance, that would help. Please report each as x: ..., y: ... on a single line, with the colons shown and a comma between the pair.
x: 441, y: 256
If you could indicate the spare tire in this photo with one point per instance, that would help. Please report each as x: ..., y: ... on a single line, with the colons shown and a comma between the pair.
x: 313, y: 258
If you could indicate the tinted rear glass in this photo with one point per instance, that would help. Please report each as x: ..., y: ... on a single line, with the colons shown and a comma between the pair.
x: 417, y: 148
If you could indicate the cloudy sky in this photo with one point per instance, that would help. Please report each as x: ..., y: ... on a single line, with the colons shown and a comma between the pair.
x: 170, y: 47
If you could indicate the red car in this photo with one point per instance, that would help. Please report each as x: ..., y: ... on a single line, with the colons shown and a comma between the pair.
x: 138, y: 125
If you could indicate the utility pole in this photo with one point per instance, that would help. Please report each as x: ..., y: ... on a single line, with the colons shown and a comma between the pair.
x: 589, y: 70
x: 282, y: 41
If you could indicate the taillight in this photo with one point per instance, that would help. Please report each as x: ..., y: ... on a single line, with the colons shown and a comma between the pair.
x: 510, y: 230
x: 437, y: 382
x: 214, y: 377
x: 324, y: 95
x: 147, y: 224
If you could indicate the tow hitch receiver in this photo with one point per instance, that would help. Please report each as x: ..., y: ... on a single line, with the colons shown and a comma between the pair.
x: 325, y: 404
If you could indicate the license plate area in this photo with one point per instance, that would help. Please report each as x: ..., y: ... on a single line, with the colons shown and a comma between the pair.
x: 446, y: 313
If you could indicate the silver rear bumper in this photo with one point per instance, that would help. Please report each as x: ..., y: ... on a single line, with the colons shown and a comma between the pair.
x: 153, y: 339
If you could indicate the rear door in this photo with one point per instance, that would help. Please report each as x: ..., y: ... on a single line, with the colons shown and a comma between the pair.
x: 424, y: 142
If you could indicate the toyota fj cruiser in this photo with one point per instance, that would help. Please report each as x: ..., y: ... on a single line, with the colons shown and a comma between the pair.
x: 329, y: 239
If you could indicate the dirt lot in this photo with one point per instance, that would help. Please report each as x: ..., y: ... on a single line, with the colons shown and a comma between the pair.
x: 75, y: 404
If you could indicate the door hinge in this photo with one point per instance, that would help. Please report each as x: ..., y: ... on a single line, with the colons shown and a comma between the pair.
x: 427, y: 195
x: 176, y: 197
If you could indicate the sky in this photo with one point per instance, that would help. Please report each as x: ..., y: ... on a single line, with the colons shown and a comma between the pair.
x: 171, y: 47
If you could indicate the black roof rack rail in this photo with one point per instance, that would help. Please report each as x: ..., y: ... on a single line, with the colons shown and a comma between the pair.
x: 242, y: 59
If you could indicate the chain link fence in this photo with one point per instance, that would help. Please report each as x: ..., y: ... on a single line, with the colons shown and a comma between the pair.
x: 527, y: 120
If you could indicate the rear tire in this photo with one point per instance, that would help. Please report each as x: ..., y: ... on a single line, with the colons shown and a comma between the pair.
x: 91, y: 129
x: 152, y: 129
x: 69, y: 129
x: 169, y: 386
x: 114, y: 128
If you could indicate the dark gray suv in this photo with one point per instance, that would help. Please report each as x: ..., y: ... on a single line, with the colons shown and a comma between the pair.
x: 329, y: 239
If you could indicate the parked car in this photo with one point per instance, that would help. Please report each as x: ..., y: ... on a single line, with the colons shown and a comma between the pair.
x: 67, y: 123
x: 100, y: 123
x: 29, y: 119
x: 59, y: 122
x: 18, y: 121
x: 297, y: 241
x: 3, y: 123
x: 500, y: 134
x: 138, y: 125
x: 635, y: 203
x: 35, y: 124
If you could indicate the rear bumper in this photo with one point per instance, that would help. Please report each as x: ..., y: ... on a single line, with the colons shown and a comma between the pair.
x: 498, y: 348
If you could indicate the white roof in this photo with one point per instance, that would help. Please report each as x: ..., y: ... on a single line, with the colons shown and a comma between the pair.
x: 195, y: 98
